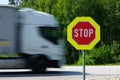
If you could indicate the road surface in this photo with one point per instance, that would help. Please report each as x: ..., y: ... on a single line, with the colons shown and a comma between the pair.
x: 64, y: 73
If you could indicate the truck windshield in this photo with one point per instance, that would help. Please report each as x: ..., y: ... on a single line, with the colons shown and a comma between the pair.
x: 50, y: 33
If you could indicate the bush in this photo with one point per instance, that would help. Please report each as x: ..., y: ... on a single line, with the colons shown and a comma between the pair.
x: 102, y: 55
x: 88, y: 61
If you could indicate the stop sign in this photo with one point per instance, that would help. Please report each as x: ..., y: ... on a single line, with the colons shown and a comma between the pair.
x: 83, y: 33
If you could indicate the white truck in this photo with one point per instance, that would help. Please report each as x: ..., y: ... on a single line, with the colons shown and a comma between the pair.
x: 29, y: 39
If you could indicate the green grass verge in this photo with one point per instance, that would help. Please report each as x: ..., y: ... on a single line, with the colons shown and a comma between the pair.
x: 112, y: 64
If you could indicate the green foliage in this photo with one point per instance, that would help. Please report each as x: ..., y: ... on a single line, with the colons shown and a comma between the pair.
x: 115, y: 52
x: 105, y: 12
x: 88, y: 60
x: 102, y: 55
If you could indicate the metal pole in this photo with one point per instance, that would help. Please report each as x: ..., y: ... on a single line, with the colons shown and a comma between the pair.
x: 83, y: 53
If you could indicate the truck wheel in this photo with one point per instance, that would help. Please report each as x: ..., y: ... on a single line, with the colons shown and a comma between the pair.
x: 38, y: 64
x: 39, y: 67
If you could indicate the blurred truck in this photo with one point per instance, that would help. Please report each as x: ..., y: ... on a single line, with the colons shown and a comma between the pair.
x: 29, y: 39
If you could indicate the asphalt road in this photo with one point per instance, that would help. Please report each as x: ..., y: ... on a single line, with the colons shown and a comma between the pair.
x: 64, y: 73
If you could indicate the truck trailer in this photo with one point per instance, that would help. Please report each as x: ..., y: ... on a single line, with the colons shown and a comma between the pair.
x: 29, y: 39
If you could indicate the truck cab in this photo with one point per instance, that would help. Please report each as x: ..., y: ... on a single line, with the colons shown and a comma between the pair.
x: 35, y: 39
x: 39, y: 36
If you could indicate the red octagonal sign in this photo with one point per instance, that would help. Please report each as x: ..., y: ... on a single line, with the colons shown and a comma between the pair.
x: 83, y: 33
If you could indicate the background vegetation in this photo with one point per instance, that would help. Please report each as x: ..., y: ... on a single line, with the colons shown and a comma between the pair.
x: 105, y: 12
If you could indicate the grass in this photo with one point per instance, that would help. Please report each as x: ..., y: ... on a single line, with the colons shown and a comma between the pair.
x: 112, y: 64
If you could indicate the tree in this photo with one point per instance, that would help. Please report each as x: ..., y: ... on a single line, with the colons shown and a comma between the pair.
x: 105, y: 12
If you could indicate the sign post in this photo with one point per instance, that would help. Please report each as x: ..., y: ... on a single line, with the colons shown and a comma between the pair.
x: 83, y: 54
x: 83, y: 33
